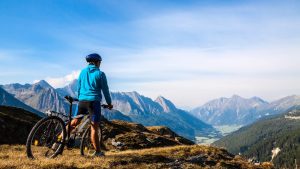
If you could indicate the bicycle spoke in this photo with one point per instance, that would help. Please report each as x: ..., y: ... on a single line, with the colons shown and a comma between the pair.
x: 47, y: 138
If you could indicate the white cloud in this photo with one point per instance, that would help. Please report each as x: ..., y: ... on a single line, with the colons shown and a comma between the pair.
x: 192, y: 76
x: 194, y: 62
x: 237, y: 25
x: 57, y: 82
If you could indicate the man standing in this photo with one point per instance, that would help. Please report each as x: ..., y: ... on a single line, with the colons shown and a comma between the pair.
x: 91, y: 82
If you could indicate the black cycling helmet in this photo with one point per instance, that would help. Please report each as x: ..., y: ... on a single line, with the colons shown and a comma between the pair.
x: 94, y: 57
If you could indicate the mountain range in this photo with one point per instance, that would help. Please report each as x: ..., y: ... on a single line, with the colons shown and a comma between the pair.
x: 241, y: 111
x: 9, y: 100
x: 128, y: 106
x: 131, y: 106
x: 41, y: 96
x: 161, y: 111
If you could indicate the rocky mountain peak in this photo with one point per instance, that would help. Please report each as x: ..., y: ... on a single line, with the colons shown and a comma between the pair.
x: 43, y: 84
x: 70, y: 89
x: 15, y: 85
x: 72, y: 86
x: 291, y: 97
x: 236, y: 97
x: 282, y: 104
x: 134, y: 94
x: 74, y: 83
x: 166, y: 104
x: 258, y: 99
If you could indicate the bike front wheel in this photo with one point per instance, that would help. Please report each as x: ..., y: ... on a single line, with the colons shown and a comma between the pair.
x: 46, y: 138
x: 86, y: 146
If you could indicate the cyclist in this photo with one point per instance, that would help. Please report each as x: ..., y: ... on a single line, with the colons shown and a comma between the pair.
x: 91, y: 82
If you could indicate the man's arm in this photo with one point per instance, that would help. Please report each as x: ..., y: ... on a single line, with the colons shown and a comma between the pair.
x: 105, y: 88
x: 78, y: 86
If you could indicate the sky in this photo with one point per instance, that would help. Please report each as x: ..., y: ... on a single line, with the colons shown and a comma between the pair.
x: 187, y: 51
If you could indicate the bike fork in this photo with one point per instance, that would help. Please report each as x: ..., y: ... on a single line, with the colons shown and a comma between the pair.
x: 70, y: 120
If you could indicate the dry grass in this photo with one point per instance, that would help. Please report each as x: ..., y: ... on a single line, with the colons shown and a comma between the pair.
x: 169, y: 157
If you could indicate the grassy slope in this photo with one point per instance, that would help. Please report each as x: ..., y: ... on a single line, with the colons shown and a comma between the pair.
x: 15, y: 124
x: 169, y: 157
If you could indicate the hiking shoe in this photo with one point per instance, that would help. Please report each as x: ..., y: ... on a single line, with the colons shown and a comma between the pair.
x: 98, y: 154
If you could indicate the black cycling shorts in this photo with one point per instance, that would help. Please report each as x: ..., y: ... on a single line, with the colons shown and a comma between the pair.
x: 93, y: 108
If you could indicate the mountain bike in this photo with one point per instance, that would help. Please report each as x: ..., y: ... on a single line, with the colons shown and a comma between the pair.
x: 50, y: 135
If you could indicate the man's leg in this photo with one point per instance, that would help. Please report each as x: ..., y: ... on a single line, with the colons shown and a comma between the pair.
x: 95, y: 136
x: 74, y: 123
x: 81, y: 109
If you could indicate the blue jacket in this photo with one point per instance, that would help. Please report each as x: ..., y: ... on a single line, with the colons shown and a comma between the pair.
x: 91, y: 82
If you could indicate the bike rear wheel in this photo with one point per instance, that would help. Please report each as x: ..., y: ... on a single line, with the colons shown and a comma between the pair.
x: 86, y: 146
x: 46, y: 138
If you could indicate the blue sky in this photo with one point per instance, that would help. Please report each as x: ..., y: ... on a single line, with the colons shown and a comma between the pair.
x: 187, y: 51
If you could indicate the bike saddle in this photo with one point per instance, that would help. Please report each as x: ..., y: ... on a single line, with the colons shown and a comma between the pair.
x: 71, y: 99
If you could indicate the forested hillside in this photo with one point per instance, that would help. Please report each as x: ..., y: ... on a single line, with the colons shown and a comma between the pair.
x: 274, y: 139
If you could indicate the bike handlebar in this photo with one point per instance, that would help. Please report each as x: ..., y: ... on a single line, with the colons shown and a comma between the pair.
x: 105, y: 106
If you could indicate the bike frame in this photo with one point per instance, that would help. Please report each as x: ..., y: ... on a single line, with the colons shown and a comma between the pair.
x: 70, y: 100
